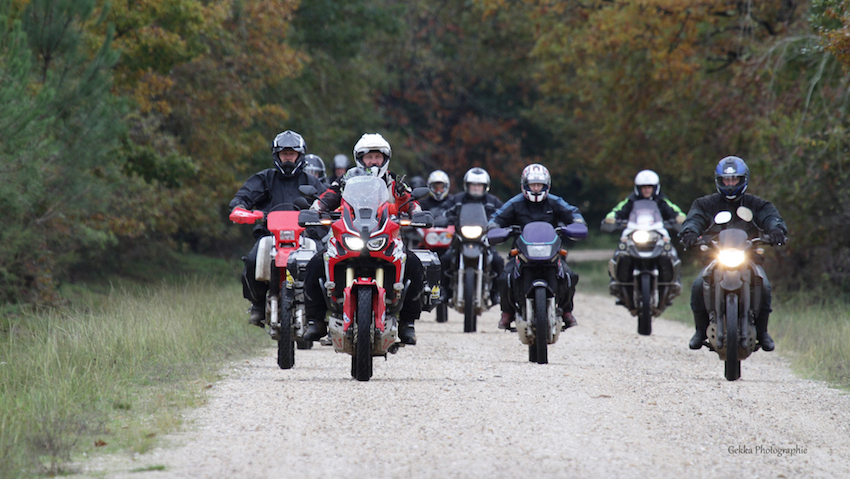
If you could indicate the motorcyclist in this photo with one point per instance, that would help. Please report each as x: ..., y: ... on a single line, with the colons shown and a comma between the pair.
x: 371, y: 153
x: 535, y: 204
x: 647, y: 187
x: 476, y: 186
x: 264, y: 190
x: 438, y: 199
x: 341, y: 164
x: 416, y: 181
x: 315, y: 166
x: 731, y: 178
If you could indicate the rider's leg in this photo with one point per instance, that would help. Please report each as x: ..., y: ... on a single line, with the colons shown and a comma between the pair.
x: 497, y: 265
x: 700, y: 314
x: 763, y: 338
x: 315, y: 307
x: 253, y: 290
x: 412, y: 306
x: 506, y: 303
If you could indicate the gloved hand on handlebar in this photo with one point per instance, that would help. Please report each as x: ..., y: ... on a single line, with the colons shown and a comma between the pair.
x: 689, y: 239
x: 777, y: 237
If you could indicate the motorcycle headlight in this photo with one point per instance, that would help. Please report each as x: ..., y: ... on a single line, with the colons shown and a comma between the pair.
x: 287, y: 235
x: 731, y: 257
x: 641, y: 236
x: 471, y: 232
x: 353, y: 243
x: 445, y: 238
x: 540, y: 250
x: 432, y: 238
x: 377, y: 244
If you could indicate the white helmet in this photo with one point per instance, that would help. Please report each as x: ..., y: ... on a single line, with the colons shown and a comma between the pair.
x: 373, y: 142
x: 536, y: 173
x: 476, y: 175
x: 439, y: 176
x: 647, y: 178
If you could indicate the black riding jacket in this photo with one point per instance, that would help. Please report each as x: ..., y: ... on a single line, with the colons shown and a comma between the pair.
x: 701, y: 215
x: 520, y: 211
x: 454, y: 203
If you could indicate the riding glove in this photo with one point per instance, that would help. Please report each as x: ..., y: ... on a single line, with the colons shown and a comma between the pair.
x: 688, y: 239
x: 777, y: 237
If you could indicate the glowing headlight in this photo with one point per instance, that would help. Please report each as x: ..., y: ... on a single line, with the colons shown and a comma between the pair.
x: 432, y: 238
x: 540, y: 251
x: 731, y: 257
x: 641, y: 236
x: 353, y: 243
x: 471, y: 232
x: 377, y: 244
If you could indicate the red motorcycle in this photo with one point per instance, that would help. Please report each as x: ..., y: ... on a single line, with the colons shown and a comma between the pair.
x: 364, y: 267
x: 281, y: 261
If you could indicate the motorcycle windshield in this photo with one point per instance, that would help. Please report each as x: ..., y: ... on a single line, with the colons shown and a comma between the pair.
x: 539, y: 241
x: 365, y: 194
x: 472, y: 214
x: 645, y: 216
x: 732, y: 238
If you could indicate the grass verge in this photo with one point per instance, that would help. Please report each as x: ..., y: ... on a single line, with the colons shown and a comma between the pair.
x: 114, y: 371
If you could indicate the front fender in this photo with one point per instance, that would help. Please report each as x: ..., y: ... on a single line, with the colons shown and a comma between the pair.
x: 472, y: 250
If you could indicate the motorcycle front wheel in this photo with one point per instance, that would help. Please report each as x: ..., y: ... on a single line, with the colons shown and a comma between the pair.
x: 362, y: 358
x: 645, y: 312
x: 538, y: 351
x: 469, y: 318
x: 733, y: 365
x: 285, y: 342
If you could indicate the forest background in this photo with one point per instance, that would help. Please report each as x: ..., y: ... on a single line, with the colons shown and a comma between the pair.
x: 127, y: 126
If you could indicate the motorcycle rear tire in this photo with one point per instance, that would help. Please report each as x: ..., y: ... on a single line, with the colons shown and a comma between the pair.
x: 442, y: 313
x: 541, y: 327
x: 733, y: 365
x: 645, y: 312
x: 363, y: 345
x: 469, y: 317
x: 285, y: 342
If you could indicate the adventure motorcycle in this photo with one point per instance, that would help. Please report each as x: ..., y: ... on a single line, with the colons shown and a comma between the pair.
x: 364, y: 267
x: 732, y: 290
x: 471, y: 278
x: 645, y: 268
x: 281, y: 261
x: 535, y: 284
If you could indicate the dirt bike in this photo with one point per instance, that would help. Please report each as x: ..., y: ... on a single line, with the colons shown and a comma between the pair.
x: 437, y: 239
x: 364, y: 265
x: 733, y: 291
x: 471, y: 277
x: 535, y: 285
x: 645, y: 267
x: 281, y: 261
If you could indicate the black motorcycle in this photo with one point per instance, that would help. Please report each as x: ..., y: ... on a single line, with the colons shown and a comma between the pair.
x: 733, y: 290
x: 471, y: 277
x: 535, y: 285
x: 645, y: 268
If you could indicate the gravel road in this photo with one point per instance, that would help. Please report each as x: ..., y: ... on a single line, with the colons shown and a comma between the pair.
x: 609, y: 404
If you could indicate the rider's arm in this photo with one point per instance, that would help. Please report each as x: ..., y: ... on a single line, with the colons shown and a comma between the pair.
x: 767, y: 216
x: 330, y: 199
x: 252, y: 192
x: 618, y: 212
x: 506, y: 215
x: 699, y: 216
x: 567, y: 213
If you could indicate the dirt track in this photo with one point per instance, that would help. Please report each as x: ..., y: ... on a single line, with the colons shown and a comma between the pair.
x: 609, y: 404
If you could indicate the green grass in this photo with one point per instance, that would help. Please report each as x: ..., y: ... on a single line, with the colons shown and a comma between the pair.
x: 814, y: 334
x: 114, y: 371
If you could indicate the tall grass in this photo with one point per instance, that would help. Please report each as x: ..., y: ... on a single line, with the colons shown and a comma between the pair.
x: 812, y: 330
x: 114, y: 371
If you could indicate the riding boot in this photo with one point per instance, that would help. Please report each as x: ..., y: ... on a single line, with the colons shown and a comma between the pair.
x: 569, y: 321
x: 406, y: 333
x: 764, y: 339
x: 258, y: 314
x: 699, y: 337
x: 316, y: 329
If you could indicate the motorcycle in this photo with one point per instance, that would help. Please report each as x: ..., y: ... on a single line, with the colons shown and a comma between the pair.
x: 281, y: 261
x: 364, y: 267
x: 535, y: 283
x: 471, y: 278
x: 437, y: 239
x: 732, y: 290
x: 645, y: 268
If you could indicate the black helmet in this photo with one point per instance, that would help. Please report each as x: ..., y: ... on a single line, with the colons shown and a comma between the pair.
x: 732, y: 167
x: 289, y: 139
x: 314, y: 165
x: 417, y: 182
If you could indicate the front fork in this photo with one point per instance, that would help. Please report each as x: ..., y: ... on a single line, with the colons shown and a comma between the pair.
x: 479, y: 281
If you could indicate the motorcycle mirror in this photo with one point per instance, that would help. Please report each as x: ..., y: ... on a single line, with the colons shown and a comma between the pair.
x: 722, y: 218
x: 498, y: 235
x: 309, y: 218
x: 309, y: 191
x: 301, y: 202
x: 575, y: 231
x: 422, y: 219
x: 744, y: 213
x: 420, y: 192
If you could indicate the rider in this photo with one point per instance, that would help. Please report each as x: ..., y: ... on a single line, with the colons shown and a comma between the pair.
x: 731, y: 179
x: 264, y: 190
x: 371, y: 153
x: 438, y: 199
x: 476, y: 186
x: 536, y: 204
x: 647, y: 187
x: 315, y: 166
x: 341, y: 165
